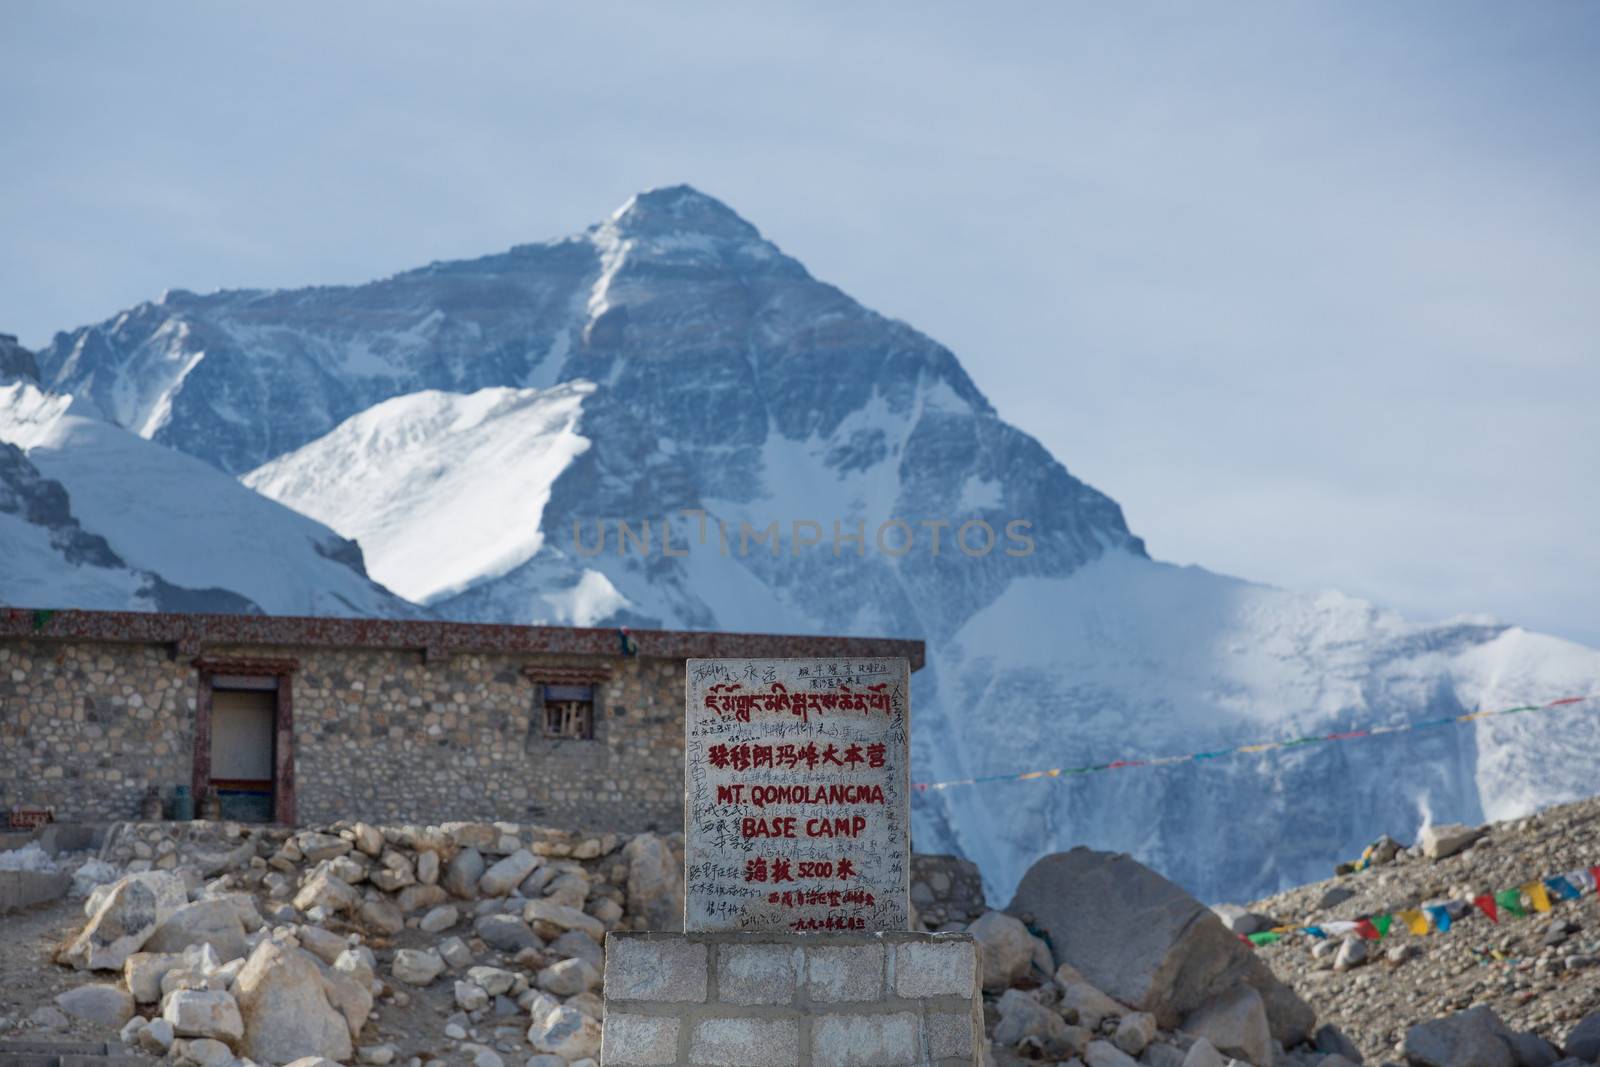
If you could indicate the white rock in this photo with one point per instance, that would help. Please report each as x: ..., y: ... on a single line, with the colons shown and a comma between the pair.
x: 284, y: 999
x: 566, y: 1032
x: 129, y: 912
x: 569, y: 977
x: 416, y: 966
x: 494, y: 980
x: 1438, y: 842
x: 507, y: 874
x: 368, y: 839
x: 470, y: 997
x: 1006, y: 949
x: 155, y: 1036
x: 200, y: 1052
x: 104, y: 1005
x: 325, y: 891
x: 204, y: 1013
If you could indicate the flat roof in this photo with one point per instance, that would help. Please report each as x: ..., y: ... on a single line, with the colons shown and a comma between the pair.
x: 189, y: 634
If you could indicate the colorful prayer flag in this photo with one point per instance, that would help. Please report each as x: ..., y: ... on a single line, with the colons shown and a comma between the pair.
x: 1561, y: 887
x: 1536, y: 893
x: 1415, y: 921
x: 1368, y: 931
x: 1266, y: 937
x: 1381, y: 923
x: 1485, y: 904
x: 1441, y: 917
x: 1510, y: 900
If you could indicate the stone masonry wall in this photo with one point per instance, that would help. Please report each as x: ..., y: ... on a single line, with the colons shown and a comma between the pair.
x: 776, y: 1000
x: 380, y: 735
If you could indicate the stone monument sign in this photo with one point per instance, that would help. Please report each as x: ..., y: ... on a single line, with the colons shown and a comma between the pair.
x: 795, y: 818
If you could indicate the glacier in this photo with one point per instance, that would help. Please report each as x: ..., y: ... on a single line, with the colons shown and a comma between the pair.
x: 472, y: 424
x: 177, y: 534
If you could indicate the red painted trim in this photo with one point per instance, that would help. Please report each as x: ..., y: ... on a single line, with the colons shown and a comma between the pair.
x: 201, y: 780
x: 283, y: 782
x: 568, y: 675
x: 246, y: 666
x: 283, y: 754
x: 189, y: 633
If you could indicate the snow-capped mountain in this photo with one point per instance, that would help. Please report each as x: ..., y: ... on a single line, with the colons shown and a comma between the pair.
x: 101, y: 518
x: 478, y: 426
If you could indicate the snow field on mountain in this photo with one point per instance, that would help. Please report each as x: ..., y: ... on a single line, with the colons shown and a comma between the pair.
x: 180, y: 518
x: 443, y: 491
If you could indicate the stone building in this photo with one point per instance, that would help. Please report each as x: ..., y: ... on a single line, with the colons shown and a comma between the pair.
x: 306, y: 720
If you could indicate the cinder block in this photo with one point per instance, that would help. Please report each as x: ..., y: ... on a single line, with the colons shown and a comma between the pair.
x: 837, y: 973
x: 746, y: 1043
x: 935, y: 968
x: 639, y: 1040
x: 950, y: 1035
x: 757, y: 974
x: 885, y: 1040
x: 645, y: 968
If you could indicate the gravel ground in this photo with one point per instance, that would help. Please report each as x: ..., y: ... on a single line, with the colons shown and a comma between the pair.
x: 1539, y: 973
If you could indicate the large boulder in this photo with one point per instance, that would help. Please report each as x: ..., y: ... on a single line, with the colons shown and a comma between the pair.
x: 1235, y: 1022
x: 1005, y: 949
x: 216, y: 922
x: 1583, y: 1041
x: 655, y: 883
x: 1467, y: 1039
x: 125, y: 918
x: 1146, y: 942
x: 286, y: 1011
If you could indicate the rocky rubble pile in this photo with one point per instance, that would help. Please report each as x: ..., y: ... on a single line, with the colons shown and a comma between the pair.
x: 1520, y: 992
x: 270, y: 946
x: 1101, y: 962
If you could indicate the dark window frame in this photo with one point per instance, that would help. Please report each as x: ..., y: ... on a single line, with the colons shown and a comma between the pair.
x: 566, y: 712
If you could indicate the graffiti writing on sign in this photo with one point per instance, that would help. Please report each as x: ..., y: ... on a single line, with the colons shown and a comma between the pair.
x: 796, y: 782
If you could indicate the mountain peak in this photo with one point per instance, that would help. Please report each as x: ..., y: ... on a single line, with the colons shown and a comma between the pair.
x: 680, y: 210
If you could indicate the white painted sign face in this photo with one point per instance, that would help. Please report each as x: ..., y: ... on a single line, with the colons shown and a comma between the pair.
x: 796, y: 775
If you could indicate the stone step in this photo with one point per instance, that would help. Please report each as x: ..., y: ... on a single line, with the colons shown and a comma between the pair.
x: 23, y: 1053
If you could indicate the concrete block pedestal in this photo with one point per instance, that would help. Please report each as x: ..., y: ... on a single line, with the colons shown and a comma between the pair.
x: 783, y: 1000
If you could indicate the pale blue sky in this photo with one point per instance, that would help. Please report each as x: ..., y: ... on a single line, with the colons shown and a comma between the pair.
x: 1313, y: 290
